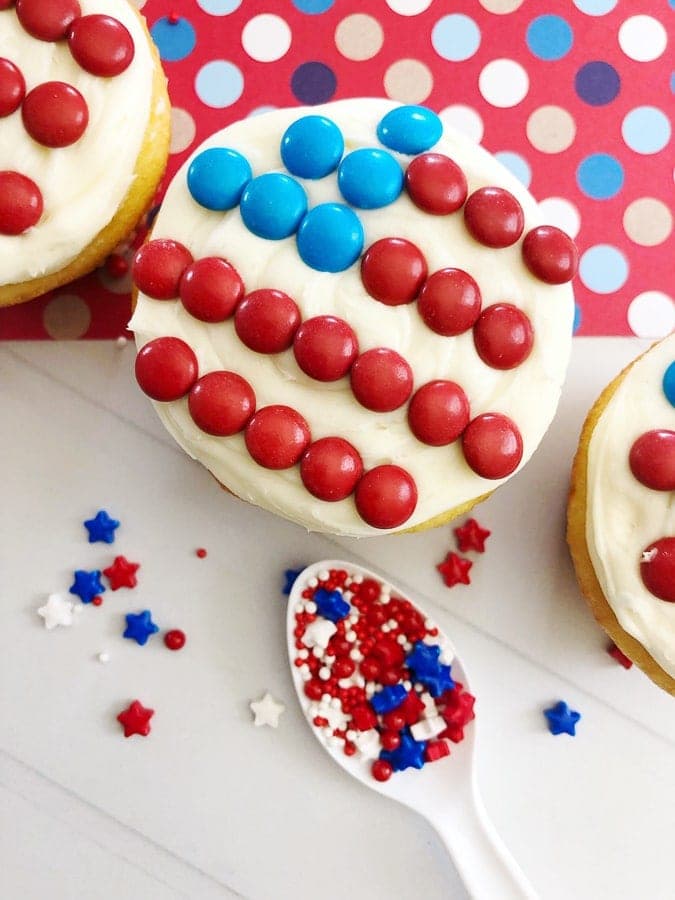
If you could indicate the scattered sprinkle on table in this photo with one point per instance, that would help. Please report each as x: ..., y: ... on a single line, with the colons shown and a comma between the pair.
x: 103, y: 657
x: 101, y: 528
x: 267, y: 710
x: 135, y: 719
x: 56, y: 611
x: 290, y: 576
x: 562, y: 719
x: 455, y: 570
x: 619, y: 656
x: 201, y: 552
x: 122, y: 573
x: 471, y: 536
x: 175, y: 639
x: 87, y: 585
x: 140, y: 627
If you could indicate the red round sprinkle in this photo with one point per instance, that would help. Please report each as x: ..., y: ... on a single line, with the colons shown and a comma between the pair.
x: 20, y: 203
x: 101, y: 45
x: 12, y: 87
x: 55, y: 114
x: 438, y: 413
x: 436, y: 184
x: 47, y: 20
x: 201, y: 552
x: 394, y: 720
x: 652, y: 459
x: 266, y: 321
x: 221, y: 403
x: 166, y: 368
x: 503, y: 336
x: 158, y: 268
x: 381, y: 380
x: 658, y: 569
x: 393, y: 271
x: 325, y: 348
x: 97, y: 601
x: 330, y: 468
x: 210, y: 289
x: 550, y: 254
x: 174, y: 639
x: 116, y: 265
x: 386, y: 497
x: 382, y: 770
x: 449, y: 302
x: 494, y: 217
x: 390, y: 740
x: 277, y: 436
x: 492, y: 445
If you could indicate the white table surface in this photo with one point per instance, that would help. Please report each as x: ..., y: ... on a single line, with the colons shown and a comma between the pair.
x: 209, y: 806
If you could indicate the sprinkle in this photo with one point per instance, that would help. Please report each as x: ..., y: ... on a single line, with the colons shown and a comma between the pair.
x: 620, y: 657
x: 122, y: 573
x: 135, y: 719
x: 56, y: 611
x: 121, y: 342
x: 470, y: 536
x: 266, y: 711
x: 174, y: 639
x: 562, y: 719
x: 200, y: 552
x: 290, y: 577
x: 455, y: 570
x: 101, y: 528
x: 87, y: 585
x: 140, y: 627
x: 97, y: 601
x: 103, y: 657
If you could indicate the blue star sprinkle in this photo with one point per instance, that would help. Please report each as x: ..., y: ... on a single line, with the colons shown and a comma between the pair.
x: 562, y: 719
x: 331, y: 605
x: 388, y: 698
x: 87, y: 585
x: 425, y: 663
x: 290, y: 576
x: 408, y: 755
x: 101, y: 528
x: 140, y: 626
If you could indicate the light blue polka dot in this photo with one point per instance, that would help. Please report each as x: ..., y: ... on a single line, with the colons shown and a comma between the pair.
x: 313, y: 7
x: 174, y: 40
x: 603, y: 269
x: 595, y: 7
x: 219, y: 84
x: 516, y: 164
x: 549, y: 37
x: 646, y: 129
x: 578, y: 316
x: 219, y: 7
x: 600, y: 176
x: 455, y: 37
x: 261, y: 110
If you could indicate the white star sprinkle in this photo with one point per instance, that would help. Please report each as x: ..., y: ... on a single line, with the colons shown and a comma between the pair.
x: 56, y: 611
x: 318, y: 633
x: 267, y: 710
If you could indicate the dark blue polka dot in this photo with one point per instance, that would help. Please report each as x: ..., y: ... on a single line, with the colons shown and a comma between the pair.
x: 549, y: 37
x: 273, y: 205
x: 313, y: 82
x: 174, y: 40
x: 312, y: 147
x: 330, y: 237
x: 669, y: 384
x: 600, y: 176
x: 597, y: 83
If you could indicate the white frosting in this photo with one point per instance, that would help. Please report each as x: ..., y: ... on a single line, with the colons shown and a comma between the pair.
x: 82, y: 185
x: 622, y: 515
x: 529, y: 394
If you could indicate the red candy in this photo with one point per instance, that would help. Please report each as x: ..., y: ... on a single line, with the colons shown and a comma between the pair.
x: 325, y: 348
x: 101, y: 45
x: 382, y: 770
x: 550, y: 254
x: 55, y: 114
x: 449, y: 302
x: 436, y: 750
x: 21, y: 203
x: 386, y: 497
x: 47, y: 20
x: 620, y: 657
x: 438, y: 413
x: 381, y: 380
x: 494, y: 217
x: 455, y: 570
x: 210, y: 289
x: 158, y: 268
x: 277, y: 436
x: 221, y: 403
x: 652, y: 459
x: 364, y: 717
x: 436, y: 184
x: 267, y: 320
x: 390, y: 740
x: 658, y: 569
x: 492, y: 445
x: 330, y: 469
x: 174, y: 639
x: 166, y: 368
x: 470, y: 536
x: 393, y: 271
x: 12, y: 87
x: 503, y: 336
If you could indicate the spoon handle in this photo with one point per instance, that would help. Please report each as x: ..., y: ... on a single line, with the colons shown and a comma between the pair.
x: 484, y: 864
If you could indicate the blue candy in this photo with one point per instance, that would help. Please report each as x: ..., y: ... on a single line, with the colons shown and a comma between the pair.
x: 669, y: 384
x: 101, y: 528
x: 330, y: 237
x: 388, y: 698
x: 562, y: 719
x: 312, y: 147
x: 290, y: 577
x: 217, y: 177
x: 140, y: 626
x: 331, y: 605
x: 408, y: 755
x: 87, y: 585
x: 273, y: 205
x: 410, y: 129
x: 425, y: 662
x: 370, y: 178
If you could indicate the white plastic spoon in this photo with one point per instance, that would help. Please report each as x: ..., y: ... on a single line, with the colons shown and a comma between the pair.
x: 444, y: 792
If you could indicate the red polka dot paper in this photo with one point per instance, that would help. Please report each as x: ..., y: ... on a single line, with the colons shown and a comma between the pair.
x: 575, y: 98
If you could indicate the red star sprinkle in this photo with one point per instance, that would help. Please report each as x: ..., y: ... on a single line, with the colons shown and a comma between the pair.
x: 455, y: 570
x: 470, y: 536
x: 620, y: 657
x: 122, y: 573
x: 135, y: 719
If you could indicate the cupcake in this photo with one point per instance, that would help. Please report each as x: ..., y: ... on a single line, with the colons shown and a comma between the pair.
x: 621, y: 515
x: 84, y: 132
x: 353, y: 316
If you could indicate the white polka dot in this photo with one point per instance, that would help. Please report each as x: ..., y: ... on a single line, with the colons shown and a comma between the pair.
x: 503, y: 83
x: 183, y: 130
x: 643, y: 38
x: 408, y: 7
x: 652, y: 314
x: 561, y: 213
x: 260, y: 111
x: 464, y: 119
x: 266, y: 37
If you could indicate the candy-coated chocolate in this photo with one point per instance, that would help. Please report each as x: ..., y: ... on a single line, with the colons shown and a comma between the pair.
x: 159, y: 267
x: 330, y: 469
x: 21, y: 203
x: 652, y: 459
x: 436, y: 184
x: 370, y: 178
x: 381, y: 379
x: 668, y: 384
x: 217, y: 177
x: 325, y: 347
x: 386, y: 496
x: 273, y: 205
x: 267, y: 320
x: 330, y: 237
x: 12, y: 87
x: 438, y: 413
x: 410, y: 129
x: 312, y: 147
x: 277, y: 436
x: 503, y: 336
x: 166, y: 368
x: 174, y: 639
x: 494, y: 217
x: 657, y: 568
x: 221, y: 403
x: 55, y: 114
x: 47, y: 20
x: 550, y: 254
x: 449, y: 302
x: 492, y: 445
x: 210, y: 289
x: 101, y: 45
x: 393, y: 271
